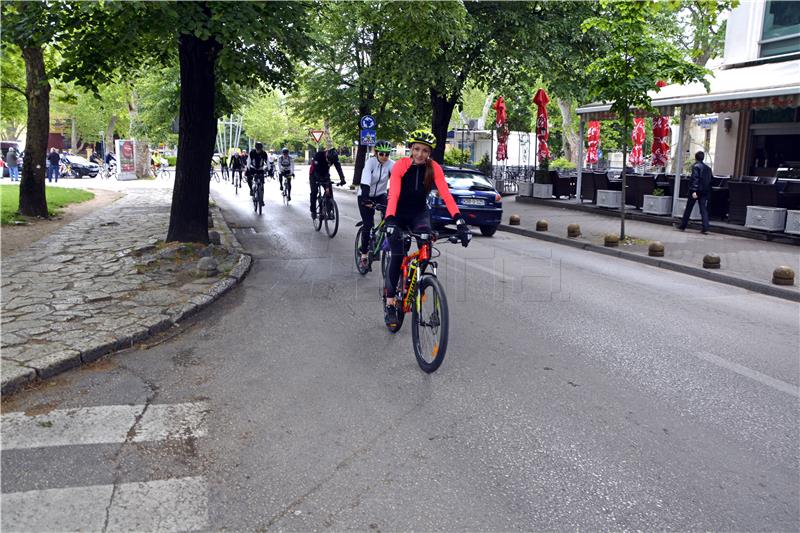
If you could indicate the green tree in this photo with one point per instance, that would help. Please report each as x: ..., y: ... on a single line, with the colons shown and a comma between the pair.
x: 638, y: 57
x: 14, y: 111
x: 355, y: 69
x: 31, y: 26
x: 269, y: 118
x: 214, y: 48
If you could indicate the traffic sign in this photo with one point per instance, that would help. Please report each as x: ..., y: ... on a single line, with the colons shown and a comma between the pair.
x: 316, y: 135
x: 368, y: 137
x: 368, y: 122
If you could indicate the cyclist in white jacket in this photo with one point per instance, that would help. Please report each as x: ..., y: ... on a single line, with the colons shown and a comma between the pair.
x: 374, y: 184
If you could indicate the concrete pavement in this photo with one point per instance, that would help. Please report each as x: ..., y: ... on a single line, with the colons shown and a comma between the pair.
x: 746, y: 263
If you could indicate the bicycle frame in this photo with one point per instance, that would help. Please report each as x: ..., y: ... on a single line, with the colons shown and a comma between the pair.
x: 412, y: 269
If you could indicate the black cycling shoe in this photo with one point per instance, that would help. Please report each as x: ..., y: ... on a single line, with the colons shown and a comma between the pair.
x: 314, y: 216
x: 390, y: 315
x: 281, y: 187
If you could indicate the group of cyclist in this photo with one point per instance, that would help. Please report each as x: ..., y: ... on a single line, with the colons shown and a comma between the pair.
x: 400, y: 187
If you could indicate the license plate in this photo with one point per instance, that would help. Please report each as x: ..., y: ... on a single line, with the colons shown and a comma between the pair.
x: 473, y: 201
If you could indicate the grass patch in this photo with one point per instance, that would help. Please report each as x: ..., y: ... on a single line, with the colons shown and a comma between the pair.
x: 57, y: 198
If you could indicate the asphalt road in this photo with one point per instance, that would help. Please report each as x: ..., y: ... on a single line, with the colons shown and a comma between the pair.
x: 578, y: 391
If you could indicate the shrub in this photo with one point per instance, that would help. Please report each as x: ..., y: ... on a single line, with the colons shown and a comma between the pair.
x: 562, y: 164
x: 172, y: 160
x: 485, y: 166
x: 456, y: 156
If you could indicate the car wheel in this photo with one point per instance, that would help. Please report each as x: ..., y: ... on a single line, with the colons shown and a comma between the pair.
x: 488, y: 231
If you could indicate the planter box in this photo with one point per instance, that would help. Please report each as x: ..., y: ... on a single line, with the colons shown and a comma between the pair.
x: 681, y: 207
x: 793, y: 222
x: 657, y: 205
x: 542, y: 190
x: 525, y: 188
x: 765, y: 218
x: 606, y: 198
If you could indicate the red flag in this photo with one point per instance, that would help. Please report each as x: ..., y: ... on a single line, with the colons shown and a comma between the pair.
x: 638, y: 136
x: 593, y: 136
x: 660, y: 148
x: 541, y: 99
x: 502, y: 130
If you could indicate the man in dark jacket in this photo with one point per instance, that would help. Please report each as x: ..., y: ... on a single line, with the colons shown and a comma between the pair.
x: 699, y: 191
x: 320, y: 174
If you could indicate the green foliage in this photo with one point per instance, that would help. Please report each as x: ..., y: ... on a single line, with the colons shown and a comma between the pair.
x: 353, y: 70
x: 269, y: 119
x: 638, y: 57
x: 562, y: 164
x: 658, y: 192
x: 456, y: 156
x: 485, y: 165
x: 14, y: 108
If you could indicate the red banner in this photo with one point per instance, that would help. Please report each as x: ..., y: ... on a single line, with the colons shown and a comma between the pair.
x: 637, y: 136
x: 593, y: 136
x: 660, y: 148
x: 502, y: 130
x: 542, y: 133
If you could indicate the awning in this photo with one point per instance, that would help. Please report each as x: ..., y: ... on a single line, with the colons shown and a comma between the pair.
x: 771, y: 85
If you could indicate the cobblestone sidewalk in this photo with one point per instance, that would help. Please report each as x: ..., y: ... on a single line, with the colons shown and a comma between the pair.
x: 747, y: 263
x: 103, y: 283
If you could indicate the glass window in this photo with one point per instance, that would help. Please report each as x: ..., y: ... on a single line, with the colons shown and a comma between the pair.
x: 781, y: 33
x: 467, y: 180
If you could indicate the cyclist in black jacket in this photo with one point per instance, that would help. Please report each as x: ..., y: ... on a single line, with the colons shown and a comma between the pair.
x: 321, y: 174
x: 237, y: 164
x: 256, y: 165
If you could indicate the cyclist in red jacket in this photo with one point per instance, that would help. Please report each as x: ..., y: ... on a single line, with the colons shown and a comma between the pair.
x: 412, y: 179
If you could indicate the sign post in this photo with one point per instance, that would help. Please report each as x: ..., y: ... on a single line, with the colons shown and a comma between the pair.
x: 368, y: 133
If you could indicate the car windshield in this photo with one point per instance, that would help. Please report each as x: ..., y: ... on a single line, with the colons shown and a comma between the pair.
x: 467, y: 180
x: 78, y: 159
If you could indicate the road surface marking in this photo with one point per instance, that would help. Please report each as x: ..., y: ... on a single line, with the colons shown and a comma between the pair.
x: 777, y: 384
x: 104, y: 425
x: 179, y: 504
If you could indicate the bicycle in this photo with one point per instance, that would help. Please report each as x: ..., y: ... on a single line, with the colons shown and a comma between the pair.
x: 327, y: 210
x: 108, y: 171
x: 375, y: 248
x: 420, y: 292
x: 236, y: 178
x: 287, y: 188
x: 213, y: 174
x: 258, y: 192
x: 162, y: 173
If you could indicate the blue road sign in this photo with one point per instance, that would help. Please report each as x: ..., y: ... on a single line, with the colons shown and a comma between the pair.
x: 368, y: 122
x: 368, y: 137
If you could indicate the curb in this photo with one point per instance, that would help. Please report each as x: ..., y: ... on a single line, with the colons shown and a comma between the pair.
x: 751, y: 285
x: 16, y: 376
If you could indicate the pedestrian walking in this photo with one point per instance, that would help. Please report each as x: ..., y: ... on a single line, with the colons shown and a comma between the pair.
x: 12, y: 163
x: 54, y: 158
x: 699, y: 191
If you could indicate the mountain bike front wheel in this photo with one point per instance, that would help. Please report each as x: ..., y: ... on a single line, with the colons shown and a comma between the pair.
x: 362, y: 268
x: 332, y: 220
x: 429, y: 324
x: 320, y: 214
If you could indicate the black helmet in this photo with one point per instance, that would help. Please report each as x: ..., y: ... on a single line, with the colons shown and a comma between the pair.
x: 285, y: 151
x: 332, y: 153
x: 383, y: 147
x: 259, y: 146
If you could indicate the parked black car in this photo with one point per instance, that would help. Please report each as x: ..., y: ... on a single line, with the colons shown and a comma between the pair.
x: 80, y: 167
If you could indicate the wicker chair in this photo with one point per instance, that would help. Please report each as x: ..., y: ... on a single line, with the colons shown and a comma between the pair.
x: 588, y: 190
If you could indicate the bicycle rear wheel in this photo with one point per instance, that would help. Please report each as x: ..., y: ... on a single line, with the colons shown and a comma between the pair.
x: 260, y: 198
x: 332, y: 220
x: 429, y: 324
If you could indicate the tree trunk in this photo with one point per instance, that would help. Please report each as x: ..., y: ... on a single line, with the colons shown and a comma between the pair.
x: 188, y: 220
x: 73, y: 137
x: 487, y: 105
x: 32, y: 199
x: 442, y: 112
x: 108, y: 142
x: 569, y: 136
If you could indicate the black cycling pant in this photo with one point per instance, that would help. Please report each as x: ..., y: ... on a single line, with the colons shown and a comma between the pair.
x: 418, y: 223
x: 234, y: 171
x: 368, y: 217
x: 313, y: 181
